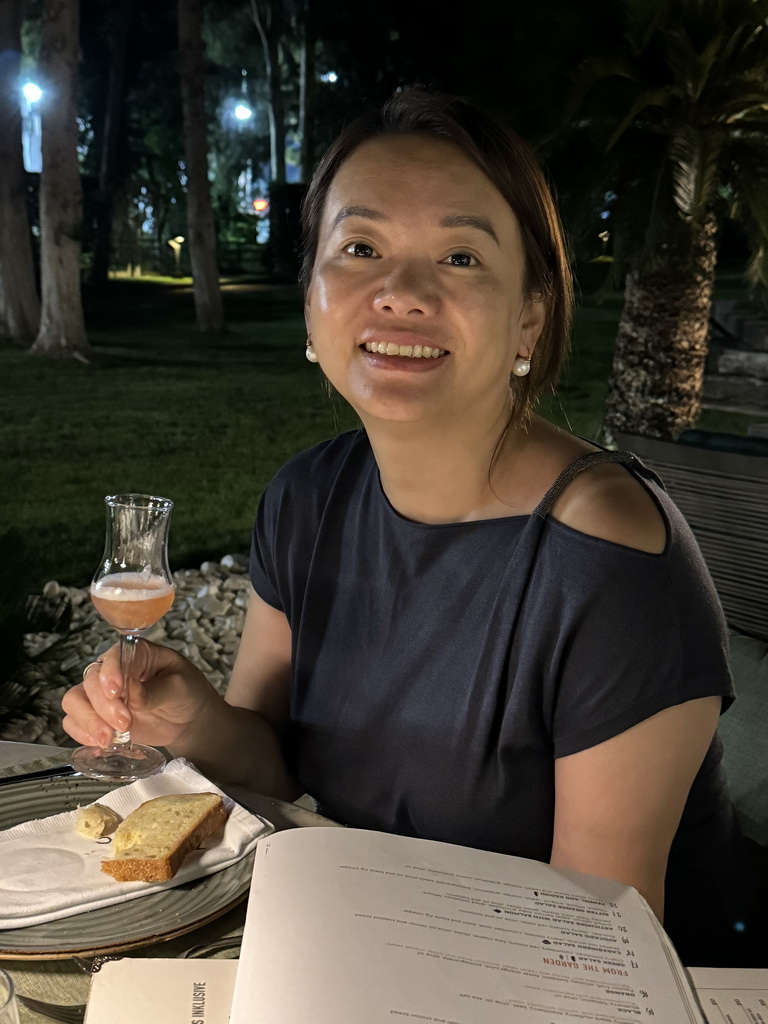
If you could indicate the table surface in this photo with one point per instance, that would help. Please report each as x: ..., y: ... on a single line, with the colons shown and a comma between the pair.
x: 62, y: 981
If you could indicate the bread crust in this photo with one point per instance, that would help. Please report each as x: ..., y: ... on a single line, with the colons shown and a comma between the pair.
x: 127, y: 868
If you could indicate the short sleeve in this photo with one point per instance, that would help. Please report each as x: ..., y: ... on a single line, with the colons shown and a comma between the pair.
x: 287, y: 520
x: 263, y: 556
x: 640, y: 633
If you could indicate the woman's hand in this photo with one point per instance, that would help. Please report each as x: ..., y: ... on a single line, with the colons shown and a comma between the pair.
x: 167, y: 695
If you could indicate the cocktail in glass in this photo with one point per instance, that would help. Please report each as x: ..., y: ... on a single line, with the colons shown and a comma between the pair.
x: 132, y: 589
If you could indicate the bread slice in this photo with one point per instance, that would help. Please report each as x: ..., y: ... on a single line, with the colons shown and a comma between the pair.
x: 153, y: 840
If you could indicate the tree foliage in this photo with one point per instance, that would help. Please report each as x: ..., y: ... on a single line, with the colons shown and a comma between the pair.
x: 676, y: 118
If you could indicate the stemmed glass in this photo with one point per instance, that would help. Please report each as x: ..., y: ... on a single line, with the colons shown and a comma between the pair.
x: 132, y: 589
x: 9, y: 1013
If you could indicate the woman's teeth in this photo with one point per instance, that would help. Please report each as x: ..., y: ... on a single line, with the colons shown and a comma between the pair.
x: 411, y: 351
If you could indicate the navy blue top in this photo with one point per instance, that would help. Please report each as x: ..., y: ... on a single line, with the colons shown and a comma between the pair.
x: 439, y: 670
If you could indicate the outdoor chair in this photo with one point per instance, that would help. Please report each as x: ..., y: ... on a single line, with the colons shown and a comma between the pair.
x: 723, y: 494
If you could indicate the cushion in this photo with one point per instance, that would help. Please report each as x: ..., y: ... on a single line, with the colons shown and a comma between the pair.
x: 744, y: 732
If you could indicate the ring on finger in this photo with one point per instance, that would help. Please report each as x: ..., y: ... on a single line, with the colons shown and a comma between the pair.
x: 90, y: 665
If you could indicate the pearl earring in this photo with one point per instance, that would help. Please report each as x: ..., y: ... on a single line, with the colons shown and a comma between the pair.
x: 309, y: 352
x: 521, y: 367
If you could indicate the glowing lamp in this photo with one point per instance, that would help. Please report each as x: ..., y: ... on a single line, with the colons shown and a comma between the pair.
x: 32, y: 93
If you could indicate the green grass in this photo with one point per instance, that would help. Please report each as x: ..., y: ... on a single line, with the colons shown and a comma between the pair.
x: 205, y: 420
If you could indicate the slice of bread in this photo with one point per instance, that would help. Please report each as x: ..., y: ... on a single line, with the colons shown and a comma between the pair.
x: 153, y: 840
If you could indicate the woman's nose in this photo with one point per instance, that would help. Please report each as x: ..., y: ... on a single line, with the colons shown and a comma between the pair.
x: 407, y: 291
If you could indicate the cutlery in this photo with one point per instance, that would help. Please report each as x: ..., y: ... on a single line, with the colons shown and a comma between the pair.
x: 66, y: 1014
x: 60, y: 770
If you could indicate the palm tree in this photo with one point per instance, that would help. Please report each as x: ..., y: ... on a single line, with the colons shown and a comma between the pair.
x: 679, y: 114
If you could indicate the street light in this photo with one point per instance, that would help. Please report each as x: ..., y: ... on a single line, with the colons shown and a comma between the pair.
x: 31, y: 128
x: 175, y: 244
x: 32, y: 93
x: 242, y: 112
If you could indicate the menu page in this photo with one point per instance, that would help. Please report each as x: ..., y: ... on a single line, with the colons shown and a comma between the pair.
x: 730, y: 995
x: 345, y: 925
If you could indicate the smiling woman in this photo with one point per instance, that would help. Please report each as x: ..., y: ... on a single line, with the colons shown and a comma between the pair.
x: 416, y: 305
x: 467, y: 624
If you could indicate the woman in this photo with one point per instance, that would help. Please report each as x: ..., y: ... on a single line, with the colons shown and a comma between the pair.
x: 466, y: 623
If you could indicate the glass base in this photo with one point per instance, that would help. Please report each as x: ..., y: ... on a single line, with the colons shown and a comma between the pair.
x: 123, y: 763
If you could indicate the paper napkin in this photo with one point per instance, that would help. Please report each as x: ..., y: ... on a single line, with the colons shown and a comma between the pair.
x: 48, y: 871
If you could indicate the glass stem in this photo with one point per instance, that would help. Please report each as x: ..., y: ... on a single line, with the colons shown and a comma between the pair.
x: 128, y: 645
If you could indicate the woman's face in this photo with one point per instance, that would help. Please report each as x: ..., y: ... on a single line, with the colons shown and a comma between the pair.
x: 415, y: 306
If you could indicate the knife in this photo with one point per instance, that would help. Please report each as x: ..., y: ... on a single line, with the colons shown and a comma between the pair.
x: 57, y: 771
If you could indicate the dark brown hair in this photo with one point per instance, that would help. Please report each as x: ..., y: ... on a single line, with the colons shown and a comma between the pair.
x: 511, y: 166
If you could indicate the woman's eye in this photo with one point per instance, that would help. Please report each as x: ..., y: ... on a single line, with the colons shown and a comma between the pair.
x: 461, y: 259
x: 360, y: 249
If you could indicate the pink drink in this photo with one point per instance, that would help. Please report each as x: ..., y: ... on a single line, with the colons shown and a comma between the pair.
x: 131, y: 602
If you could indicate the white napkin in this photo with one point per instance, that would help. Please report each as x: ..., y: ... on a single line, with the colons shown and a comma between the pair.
x: 48, y: 871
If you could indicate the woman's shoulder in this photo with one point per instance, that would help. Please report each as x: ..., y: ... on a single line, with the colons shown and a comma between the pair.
x: 609, y: 502
x: 606, y: 500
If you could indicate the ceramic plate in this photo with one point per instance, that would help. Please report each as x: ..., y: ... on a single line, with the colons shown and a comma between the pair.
x: 138, y: 922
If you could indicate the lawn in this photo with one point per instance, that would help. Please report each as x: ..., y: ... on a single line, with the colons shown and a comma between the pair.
x: 205, y: 420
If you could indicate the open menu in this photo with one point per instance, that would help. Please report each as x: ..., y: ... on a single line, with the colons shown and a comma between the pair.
x: 346, y: 925
x: 731, y: 995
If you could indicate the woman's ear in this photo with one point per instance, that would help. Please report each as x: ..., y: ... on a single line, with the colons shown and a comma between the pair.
x: 532, y: 321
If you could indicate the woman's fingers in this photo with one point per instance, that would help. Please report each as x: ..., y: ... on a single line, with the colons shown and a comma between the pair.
x: 82, y: 721
x: 166, y: 693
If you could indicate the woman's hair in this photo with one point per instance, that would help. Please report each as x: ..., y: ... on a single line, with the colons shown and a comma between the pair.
x: 511, y: 166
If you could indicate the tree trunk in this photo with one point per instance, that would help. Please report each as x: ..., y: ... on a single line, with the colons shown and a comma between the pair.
x: 662, y: 341
x: 269, y: 34
x: 306, y: 93
x: 19, y: 304
x: 62, y: 329
x: 269, y: 22
x: 202, y: 233
x: 113, y: 123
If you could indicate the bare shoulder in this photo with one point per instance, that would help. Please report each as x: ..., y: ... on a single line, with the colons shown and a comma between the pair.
x: 607, y: 501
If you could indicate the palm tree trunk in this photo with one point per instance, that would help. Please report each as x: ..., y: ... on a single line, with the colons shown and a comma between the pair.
x: 202, y: 233
x: 662, y: 341
x: 19, y: 304
x: 62, y: 328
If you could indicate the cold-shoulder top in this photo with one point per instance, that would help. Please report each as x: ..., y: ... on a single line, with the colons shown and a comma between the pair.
x: 440, y: 670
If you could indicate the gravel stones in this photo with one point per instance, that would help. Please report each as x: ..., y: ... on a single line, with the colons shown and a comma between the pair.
x: 204, y: 624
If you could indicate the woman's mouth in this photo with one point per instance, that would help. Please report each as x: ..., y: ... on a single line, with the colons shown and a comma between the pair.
x: 408, y: 351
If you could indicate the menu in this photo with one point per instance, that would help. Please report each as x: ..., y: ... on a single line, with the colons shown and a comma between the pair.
x: 345, y: 925
x: 732, y: 996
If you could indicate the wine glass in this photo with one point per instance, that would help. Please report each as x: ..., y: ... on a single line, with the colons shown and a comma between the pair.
x: 9, y: 1012
x: 132, y: 589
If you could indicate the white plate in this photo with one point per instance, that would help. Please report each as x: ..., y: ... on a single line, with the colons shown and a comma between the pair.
x: 138, y: 922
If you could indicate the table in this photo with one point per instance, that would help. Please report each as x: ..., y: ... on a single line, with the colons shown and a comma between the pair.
x: 61, y: 981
